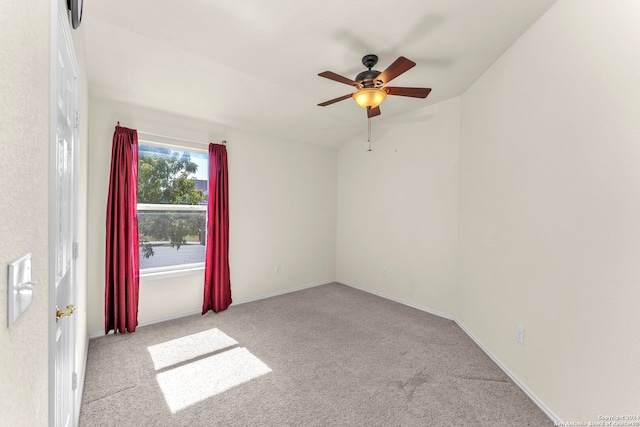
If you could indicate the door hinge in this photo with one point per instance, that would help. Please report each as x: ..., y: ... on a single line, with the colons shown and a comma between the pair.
x: 77, y: 125
x: 75, y: 250
x: 74, y: 381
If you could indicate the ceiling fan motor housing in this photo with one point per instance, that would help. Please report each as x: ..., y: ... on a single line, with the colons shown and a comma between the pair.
x: 366, y: 79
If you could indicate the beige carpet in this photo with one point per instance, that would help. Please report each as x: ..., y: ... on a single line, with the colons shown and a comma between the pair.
x: 326, y: 356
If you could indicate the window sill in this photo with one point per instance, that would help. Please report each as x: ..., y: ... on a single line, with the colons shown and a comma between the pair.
x: 168, y: 274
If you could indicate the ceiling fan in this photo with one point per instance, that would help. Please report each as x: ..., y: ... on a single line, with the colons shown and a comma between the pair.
x: 370, y: 84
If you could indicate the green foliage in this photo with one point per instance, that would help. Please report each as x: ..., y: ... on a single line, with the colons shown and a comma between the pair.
x: 167, y: 177
x: 164, y: 177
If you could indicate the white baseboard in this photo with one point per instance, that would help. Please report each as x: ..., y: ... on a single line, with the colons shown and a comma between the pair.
x: 553, y: 417
x: 515, y: 379
x: 389, y: 297
x: 190, y: 313
x: 287, y: 291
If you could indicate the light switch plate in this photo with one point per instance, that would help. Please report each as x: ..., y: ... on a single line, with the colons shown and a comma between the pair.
x: 20, y: 287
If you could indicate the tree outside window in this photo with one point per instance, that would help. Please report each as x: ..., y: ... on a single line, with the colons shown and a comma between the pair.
x: 172, y: 199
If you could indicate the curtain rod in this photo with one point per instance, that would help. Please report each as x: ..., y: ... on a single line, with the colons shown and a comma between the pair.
x: 174, y: 138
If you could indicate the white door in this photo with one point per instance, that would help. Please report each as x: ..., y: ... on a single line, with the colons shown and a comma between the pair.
x: 63, y: 218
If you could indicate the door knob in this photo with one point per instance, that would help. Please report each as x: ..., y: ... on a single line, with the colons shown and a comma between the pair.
x: 66, y: 312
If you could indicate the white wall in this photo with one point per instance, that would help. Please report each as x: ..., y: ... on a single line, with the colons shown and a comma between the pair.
x: 549, y: 208
x: 398, y: 208
x: 24, y: 211
x: 282, y: 212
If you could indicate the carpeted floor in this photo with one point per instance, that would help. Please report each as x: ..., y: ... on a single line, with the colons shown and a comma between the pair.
x: 325, y: 356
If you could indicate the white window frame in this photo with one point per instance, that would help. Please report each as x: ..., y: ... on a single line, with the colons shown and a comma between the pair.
x: 180, y: 269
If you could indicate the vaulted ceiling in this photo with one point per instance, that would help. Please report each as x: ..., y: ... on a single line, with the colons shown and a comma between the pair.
x: 254, y: 65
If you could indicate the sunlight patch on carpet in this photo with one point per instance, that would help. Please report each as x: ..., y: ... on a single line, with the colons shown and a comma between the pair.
x: 194, y: 382
x: 186, y: 348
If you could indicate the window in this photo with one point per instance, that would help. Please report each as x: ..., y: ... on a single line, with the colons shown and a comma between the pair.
x: 172, y: 207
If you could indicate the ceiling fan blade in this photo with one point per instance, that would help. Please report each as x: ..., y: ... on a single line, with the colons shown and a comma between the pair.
x: 372, y: 112
x: 414, y: 92
x: 398, y: 67
x: 333, y: 101
x: 338, y: 78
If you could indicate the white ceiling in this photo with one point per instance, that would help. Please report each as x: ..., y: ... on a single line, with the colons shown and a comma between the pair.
x: 254, y: 65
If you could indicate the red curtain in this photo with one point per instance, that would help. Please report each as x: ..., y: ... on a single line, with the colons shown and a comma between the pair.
x: 122, y: 271
x: 217, y: 283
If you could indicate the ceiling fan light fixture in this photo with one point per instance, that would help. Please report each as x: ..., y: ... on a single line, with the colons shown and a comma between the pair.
x: 369, y: 97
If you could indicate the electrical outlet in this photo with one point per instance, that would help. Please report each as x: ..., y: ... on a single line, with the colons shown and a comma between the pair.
x: 277, y: 269
x: 520, y: 334
x: 384, y: 271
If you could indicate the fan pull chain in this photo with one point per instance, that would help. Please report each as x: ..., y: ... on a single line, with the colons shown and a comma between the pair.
x: 369, y: 133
